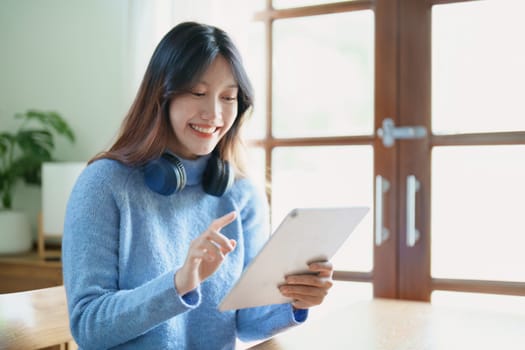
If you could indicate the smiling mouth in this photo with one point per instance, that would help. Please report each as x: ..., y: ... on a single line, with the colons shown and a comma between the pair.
x: 204, y: 129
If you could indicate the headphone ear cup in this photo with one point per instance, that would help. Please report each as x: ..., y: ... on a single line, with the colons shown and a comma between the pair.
x: 165, y: 175
x: 218, y: 177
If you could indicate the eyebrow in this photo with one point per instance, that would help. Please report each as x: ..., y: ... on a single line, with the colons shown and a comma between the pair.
x: 231, y: 86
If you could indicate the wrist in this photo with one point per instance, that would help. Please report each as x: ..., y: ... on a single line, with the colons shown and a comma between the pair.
x: 181, y: 284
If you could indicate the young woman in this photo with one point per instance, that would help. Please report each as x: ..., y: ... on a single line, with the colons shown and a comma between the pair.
x: 160, y: 226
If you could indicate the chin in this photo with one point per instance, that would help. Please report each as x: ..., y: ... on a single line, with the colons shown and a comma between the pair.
x: 204, y: 152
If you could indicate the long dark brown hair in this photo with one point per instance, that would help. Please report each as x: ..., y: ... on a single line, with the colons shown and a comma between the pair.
x: 178, y: 62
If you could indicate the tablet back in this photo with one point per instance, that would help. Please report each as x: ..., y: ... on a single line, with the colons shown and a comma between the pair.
x: 305, y: 235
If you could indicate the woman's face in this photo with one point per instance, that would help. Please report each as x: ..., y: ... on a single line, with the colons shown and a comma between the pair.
x: 201, y: 117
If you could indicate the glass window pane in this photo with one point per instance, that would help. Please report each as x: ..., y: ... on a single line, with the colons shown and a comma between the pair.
x: 253, y: 52
x: 279, y: 4
x: 477, y: 212
x: 327, y: 177
x: 477, y: 67
x: 323, y: 75
x: 256, y: 165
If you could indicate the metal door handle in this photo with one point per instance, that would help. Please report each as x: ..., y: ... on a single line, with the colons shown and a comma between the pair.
x: 381, y: 232
x: 389, y: 133
x: 413, y: 186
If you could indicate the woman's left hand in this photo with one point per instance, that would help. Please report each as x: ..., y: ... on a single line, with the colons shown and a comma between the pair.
x: 309, y: 290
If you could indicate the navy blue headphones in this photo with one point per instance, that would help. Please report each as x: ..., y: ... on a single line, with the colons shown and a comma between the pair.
x: 166, y: 175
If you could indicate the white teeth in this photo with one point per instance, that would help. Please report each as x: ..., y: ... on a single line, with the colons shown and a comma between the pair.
x: 209, y: 130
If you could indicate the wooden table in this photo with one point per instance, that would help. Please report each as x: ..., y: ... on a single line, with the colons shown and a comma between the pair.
x: 27, y: 271
x: 36, y: 319
x: 384, y: 324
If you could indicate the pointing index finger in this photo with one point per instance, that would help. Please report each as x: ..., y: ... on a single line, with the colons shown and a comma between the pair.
x: 224, y: 220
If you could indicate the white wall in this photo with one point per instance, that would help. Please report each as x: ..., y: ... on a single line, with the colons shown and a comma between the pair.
x: 69, y: 56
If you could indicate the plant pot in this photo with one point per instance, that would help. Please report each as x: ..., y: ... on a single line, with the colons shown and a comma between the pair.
x: 15, y: 232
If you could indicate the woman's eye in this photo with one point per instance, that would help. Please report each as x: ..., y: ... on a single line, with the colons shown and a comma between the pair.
x: 230, y: 98
x: 198, y: 94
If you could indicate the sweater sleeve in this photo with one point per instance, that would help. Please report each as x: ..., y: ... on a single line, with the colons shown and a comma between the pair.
x: 265, y: 321
x: 101, y: 314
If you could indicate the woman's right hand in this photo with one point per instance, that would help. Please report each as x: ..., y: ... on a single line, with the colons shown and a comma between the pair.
x: 206, y: 254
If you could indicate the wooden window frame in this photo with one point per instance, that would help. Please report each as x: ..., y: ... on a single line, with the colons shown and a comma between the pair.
x: 402, y: 92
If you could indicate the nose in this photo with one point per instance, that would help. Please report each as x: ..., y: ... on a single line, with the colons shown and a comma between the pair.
x: 212, y: 109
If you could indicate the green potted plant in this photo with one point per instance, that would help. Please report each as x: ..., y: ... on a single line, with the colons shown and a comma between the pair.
x: 21, y: 156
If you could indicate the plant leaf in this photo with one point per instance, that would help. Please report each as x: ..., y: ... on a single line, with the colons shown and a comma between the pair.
x: 22, y: 153
x: 38, y: 143
x: 29, y: 169
x: 54, y: 121
x: 6, y: 142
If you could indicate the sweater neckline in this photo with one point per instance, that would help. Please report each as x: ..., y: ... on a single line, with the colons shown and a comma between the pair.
x: 195, y: 169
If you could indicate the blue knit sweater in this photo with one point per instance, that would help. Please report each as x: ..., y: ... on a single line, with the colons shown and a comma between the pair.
x: 123, y: 244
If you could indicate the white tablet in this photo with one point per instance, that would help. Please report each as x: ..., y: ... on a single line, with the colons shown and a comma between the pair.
x: 305, y: 235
